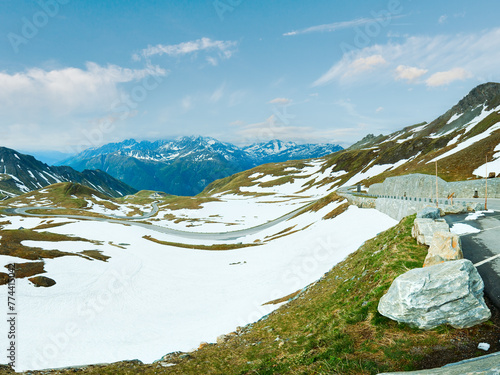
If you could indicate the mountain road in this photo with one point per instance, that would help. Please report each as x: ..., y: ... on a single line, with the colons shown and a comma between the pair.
x: 220, y: 236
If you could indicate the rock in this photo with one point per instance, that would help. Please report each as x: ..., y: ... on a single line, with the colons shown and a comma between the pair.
x: 171, y: 357
x: 455, y: 209
x: 446, y: 293
x: 485, y: 365
x: 224, y: 338
x: 42, y: 281
x: 473, y: 207
x: 429, y: 213
x: 202, y: 345
x: 423, y: 229
x: 483, y: 346
x: 445, y: 246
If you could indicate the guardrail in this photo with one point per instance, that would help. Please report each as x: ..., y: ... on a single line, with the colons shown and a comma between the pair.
x: 442, y: 201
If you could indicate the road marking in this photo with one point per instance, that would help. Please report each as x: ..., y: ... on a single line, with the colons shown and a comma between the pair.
x: 484, y: 230
x: 487, y: 260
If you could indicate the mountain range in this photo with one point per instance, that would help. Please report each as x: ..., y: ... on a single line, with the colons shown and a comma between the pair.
x: 20, y: 173
x: 459, y: 141
x: 185, y: 166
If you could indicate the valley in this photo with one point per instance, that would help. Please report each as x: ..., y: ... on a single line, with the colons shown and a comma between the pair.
x: 267, y: 270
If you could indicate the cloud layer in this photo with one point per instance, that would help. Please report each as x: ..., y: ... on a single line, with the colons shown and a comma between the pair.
x: 224, y: 49
x: 67, y: 90
x: 444, y: 58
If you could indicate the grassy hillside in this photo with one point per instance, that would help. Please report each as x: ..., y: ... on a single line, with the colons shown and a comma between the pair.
x: 332, y: 327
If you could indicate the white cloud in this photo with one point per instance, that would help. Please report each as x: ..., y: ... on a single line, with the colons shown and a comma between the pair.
x: 217, y: 94
x: 366, y: 63
x: 379, y: 109
x: 273, y: 128
x: 409, y: 73
x: 225, y: 49
x: 67, y: 90
x: 476, y: 53
x: 343, y: 25
x: 445, y: 78
x: 212, y: 61
x: 281, y: 101
x: 443, y: 19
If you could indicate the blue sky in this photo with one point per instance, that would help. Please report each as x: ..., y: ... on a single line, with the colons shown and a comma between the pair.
x: 76, y: 74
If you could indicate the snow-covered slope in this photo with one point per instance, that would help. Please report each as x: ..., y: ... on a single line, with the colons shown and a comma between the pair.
x: 21, y: 173
x: 151, y: 296
x: 278, y: 151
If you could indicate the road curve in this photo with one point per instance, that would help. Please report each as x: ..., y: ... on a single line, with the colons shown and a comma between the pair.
x: 221, y: 236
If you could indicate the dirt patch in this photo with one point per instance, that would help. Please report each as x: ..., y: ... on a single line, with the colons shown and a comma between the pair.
x: 42, y: 281
x: 97, y: 255
x: 337, y: 211
x: 222, y: 247
x: 282, y: 299
x: 51, y: 225
x: 4, y: 278
x: 23, y: 270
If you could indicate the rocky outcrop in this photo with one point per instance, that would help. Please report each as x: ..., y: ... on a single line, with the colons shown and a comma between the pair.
x: 430, y: 213
x: 423, y: 229
x: 445, y: 246
x: 226, y: 337
x: 446, y: 293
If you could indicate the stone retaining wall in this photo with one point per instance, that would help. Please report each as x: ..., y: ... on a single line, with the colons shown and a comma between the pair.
x: 361, y: 202
x: 424, y: 186
x: 398, y: 208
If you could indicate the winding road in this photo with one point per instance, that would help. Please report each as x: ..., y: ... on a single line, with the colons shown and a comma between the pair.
x: 220, y: 236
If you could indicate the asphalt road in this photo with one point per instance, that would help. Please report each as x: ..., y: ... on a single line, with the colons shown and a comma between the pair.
x: 183, y: 234
x: 483, y: 249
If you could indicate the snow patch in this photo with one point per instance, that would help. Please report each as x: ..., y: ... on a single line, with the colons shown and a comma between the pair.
x: 461, y: 229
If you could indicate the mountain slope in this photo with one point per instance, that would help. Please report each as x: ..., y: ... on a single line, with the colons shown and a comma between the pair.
x: 459, y: 140
x: 21, y: 173
x: 187, y: 165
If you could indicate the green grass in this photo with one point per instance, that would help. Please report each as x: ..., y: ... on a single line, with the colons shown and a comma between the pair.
x: 332, y: 327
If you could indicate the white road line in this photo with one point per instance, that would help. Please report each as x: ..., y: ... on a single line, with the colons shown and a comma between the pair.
x: 484, y: 230
x: 487, y: 260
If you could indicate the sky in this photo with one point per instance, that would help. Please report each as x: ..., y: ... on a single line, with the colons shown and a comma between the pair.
x: 76, y: 74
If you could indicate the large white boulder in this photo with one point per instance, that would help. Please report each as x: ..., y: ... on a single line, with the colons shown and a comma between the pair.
x: 446, y: 293
x: 445, y: 246
x: 423, y: 229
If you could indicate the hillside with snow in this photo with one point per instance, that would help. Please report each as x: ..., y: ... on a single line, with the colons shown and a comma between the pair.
x: 21, y: 173
x: 142, y: 275
x: 110, y: 273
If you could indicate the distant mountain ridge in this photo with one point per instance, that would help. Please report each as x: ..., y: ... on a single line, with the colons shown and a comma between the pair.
x: 20, y: 173
x: 185, y: 166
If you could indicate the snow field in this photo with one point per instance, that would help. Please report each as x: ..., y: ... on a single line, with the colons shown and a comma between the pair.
x: 150, y: 299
